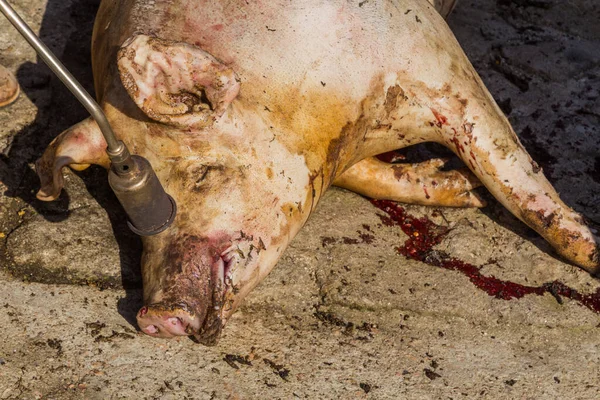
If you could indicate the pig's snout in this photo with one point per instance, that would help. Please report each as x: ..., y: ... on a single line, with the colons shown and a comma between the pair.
x: 186, y: 288
x: 157, y: 321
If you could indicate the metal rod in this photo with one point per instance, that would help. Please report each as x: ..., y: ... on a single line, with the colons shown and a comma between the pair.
x: 64, y: 75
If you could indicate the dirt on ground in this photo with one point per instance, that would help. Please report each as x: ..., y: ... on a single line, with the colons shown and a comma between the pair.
x: 358, y: 307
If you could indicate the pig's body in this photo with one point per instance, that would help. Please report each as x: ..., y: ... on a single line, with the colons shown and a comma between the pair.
x: 322, y: 85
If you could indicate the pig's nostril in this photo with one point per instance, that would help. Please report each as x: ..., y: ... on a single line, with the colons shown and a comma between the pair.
x: 150, y: 329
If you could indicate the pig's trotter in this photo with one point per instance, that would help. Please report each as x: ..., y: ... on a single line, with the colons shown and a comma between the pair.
x: 422, y: 183
x: 176, y: 83
x: 9, y: 87
x: 77, y: 147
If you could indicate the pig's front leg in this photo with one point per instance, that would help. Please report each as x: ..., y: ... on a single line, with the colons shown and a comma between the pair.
x: 423, y: 183
x: 78, y: 147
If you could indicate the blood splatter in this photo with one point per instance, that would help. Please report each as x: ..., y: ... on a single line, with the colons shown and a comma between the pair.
x: 441, y: 119
x: 426, y: 194
x: 424, y: 234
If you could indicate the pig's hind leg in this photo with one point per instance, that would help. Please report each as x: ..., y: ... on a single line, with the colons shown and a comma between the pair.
x: 423, y: 183
x: 78, y: 147
x: 482, y: 137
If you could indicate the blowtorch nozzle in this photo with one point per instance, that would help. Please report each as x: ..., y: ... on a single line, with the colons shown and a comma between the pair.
x: 149, y: 208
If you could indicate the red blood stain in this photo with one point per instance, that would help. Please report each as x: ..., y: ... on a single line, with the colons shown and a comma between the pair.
x: 441, y: 120
x: 423, y: 234
x: 427, y: 196
x: 459, y: 147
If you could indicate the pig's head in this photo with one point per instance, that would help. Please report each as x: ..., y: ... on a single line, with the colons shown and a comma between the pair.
x: 236, y: 215
x: 241, y: 194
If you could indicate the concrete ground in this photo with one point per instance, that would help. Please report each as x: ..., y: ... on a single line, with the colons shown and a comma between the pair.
x: 343, y: 315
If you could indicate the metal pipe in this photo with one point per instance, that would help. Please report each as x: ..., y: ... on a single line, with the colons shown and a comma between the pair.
x: 64, y: 75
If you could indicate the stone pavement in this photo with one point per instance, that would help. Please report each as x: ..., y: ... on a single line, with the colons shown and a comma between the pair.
x: 343, y: 315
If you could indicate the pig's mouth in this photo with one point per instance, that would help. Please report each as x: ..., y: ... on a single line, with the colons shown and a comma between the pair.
x: 201, y: 320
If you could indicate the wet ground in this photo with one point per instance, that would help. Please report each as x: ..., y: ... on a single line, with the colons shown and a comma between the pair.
x: 354, y: 309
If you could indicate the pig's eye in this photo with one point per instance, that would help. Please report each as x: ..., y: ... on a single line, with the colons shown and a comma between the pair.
x: 200, y: 173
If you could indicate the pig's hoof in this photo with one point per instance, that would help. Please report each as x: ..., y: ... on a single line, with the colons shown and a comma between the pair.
x: 162, y: 322
x: 9, y: 87
x: 424, y: 183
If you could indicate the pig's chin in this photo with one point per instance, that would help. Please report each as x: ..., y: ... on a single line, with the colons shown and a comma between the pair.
x: 190, y: 314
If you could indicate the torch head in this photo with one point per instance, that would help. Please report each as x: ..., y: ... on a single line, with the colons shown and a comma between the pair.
x: 149, y: 208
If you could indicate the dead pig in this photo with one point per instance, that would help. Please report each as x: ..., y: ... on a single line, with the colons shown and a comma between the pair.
x: 249, y: 111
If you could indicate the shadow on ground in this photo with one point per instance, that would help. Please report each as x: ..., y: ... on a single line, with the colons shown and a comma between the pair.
x: 70, y: 39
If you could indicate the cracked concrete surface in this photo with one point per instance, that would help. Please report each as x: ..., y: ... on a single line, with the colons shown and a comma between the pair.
x: 343, y: 315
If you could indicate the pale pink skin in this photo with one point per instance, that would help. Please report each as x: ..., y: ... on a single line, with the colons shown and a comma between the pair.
x: 302, y: 95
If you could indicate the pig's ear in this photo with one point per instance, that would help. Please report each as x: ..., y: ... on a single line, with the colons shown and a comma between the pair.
x: 79, y: 146
x: 176, y: 83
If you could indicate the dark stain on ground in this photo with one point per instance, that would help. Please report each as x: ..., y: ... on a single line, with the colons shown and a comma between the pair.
x: 278, y: 369
x: 543, y: 4
x: 95, y: 327
x: 363, y: 237
x: 56, y: 344
x: 350, y: 328
x: 64, y: 276
x: 113, y: 335
x: 502, y: 65
x: 366, y: 237
x: 431, y: 374
x: 327, y: 240
x: 424, y: 235
x: 365, y: 387
x: 232, y: 359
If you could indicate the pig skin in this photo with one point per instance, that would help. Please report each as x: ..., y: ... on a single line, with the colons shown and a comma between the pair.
x: 249, y: 111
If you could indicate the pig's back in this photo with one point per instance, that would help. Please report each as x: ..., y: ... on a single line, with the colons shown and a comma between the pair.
x: 304, y: 45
